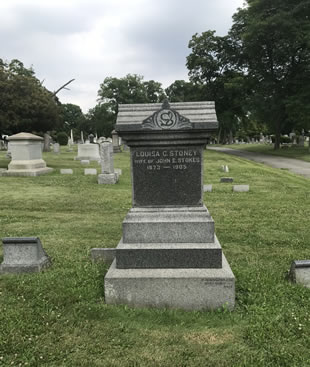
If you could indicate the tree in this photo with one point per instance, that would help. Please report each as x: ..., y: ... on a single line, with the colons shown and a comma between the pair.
x: 130, y: 89
x: 101, y: 119
x: 25, y: 105
x: 212, y: 70
x: 272, y: 39
x: 72, y: 117
x: 182, y: 91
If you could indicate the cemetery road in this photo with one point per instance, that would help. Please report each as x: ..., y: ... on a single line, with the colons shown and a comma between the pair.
x: 293, y: 165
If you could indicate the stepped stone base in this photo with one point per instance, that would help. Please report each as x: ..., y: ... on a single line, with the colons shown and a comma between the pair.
x: 27, y: 172
x: 189, y: 289
x: 169, y: 255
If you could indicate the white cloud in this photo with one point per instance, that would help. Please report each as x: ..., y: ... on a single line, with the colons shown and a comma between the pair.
x: 91, y: 39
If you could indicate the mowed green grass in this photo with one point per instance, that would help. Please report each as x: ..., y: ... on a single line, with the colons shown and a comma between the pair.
x: 59, y: 318
x: 302, y: 153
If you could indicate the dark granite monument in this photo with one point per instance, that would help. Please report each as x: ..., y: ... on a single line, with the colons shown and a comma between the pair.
x: 169, y: 255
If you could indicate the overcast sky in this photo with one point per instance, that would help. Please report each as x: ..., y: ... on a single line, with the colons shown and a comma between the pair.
x: 89, y: 40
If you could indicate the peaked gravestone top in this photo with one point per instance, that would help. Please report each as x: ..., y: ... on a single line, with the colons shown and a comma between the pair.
x: 173, y: 116
x: 24, y: 136
x: 166, y: 144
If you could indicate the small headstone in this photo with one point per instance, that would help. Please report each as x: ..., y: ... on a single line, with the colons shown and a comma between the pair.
x: 225, y: 169
x: 241, y: 188
x: 85, y: 162
x: 226, y: 179
x: 23, y: 255
x: 300, y: 272
x: 66, y: 171
x: 56, y: 147
x: 207, y: 188
x: 90, y: 171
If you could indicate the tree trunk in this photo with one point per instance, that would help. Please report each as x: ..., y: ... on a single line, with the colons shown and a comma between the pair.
x: 219, y: 135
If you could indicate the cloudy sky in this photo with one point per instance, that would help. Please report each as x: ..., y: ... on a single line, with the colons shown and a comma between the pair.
x: 89, y: 40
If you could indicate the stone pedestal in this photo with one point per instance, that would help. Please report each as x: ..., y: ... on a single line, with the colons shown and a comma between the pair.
x: 26, y: 150
x: 88, y: 152
x: 169, y: 255
x: 115, y: 142
x: 23, y: 255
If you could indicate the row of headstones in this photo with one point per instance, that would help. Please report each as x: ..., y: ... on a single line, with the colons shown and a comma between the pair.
x: 27, y: 255
x: 235, y: 188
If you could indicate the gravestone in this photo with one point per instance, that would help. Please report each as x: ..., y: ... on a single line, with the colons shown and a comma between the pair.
x: 23, y: 255
x: 56, y: 148
x: 66, y: 171
x: 88, y: 152
x: 300, y: 272
x: 115, y: 142
x: 26, y: 150
x: 169, y: 255
x: 107, y: 176
x: 241, y: 188
x: 90, y: 171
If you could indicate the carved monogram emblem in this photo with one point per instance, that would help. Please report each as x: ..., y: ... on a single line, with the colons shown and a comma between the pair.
x: 166, y: 119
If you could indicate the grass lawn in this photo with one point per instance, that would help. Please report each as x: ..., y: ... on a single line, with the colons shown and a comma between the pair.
x: 302, y: 153
x: 59, y: 318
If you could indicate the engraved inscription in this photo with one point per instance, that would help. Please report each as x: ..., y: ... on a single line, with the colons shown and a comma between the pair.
x: 177, y: 159
x: 167, y: 176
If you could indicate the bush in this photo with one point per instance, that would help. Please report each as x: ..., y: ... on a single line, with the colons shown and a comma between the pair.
x: 285, y: 139
x: 62, y: 138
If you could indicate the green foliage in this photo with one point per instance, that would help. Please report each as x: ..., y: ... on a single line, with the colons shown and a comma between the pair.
x: 72, y: 117
x: 129, y: 89
x: 101, y: 119
x: 62, y: 138
x: 272, y: 39
x: 212, y: 70
x: 25, y: 105
x: 182, y: 91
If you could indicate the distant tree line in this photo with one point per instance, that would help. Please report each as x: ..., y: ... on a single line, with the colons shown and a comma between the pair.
x: 258, y: 75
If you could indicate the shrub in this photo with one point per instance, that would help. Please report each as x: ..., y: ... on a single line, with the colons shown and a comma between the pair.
x: 62, y: 138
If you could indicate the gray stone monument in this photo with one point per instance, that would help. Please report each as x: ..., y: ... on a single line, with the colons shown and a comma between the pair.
x: 23, y: 255
x: 107, y: 176
x: 56, y: 148
x: 88, y: 152
x: 26, y: 150
x: 115, y: 142
x: 169, y: 255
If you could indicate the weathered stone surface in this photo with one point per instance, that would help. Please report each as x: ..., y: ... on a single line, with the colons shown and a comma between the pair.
x: 56, y: 148
x: 241, y: 188
x: 107, y: 179
x: 167, y: 176
x: 168, y: 225
x: 169, y: 255
x: 207, y: 188
x: 300, y: 272
x: 26, y: 151
x: 227, y: 179
x: 190, y: 289
x: 66, y: 171
x: 90, y: 171
x: 88, y: 152
x: 23, y: 255
x: 115, y: 142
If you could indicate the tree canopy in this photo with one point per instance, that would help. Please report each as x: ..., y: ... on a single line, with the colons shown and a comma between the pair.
x: 25, y: 105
